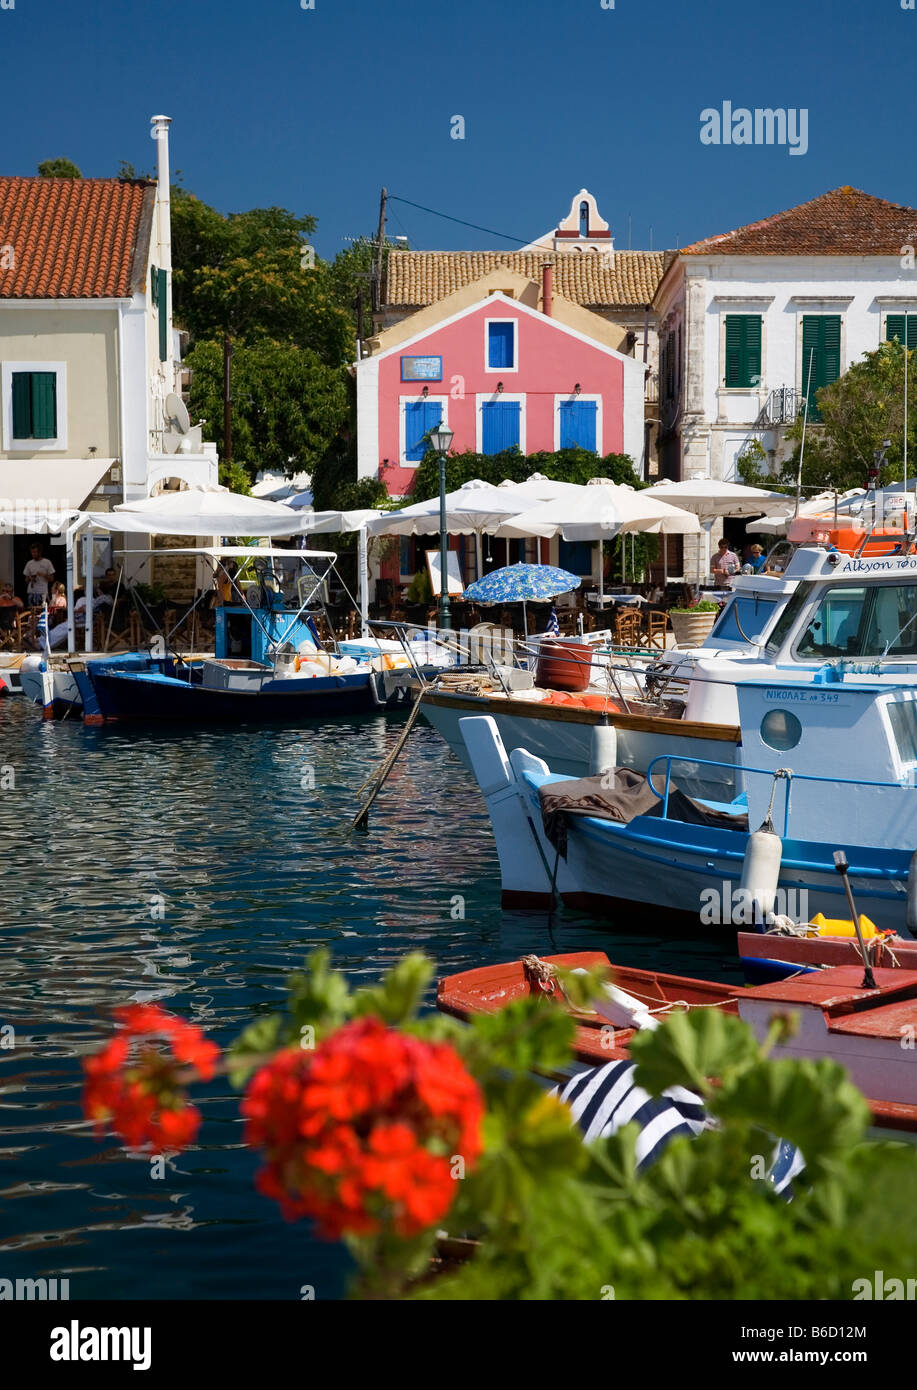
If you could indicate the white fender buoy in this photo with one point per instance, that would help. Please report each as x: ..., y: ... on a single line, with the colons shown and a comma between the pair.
x: 603, y: 749
x: 761, y: 874
x: 622, y: 1009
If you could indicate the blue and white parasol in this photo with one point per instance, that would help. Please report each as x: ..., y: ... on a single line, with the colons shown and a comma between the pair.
x: 522, y: 584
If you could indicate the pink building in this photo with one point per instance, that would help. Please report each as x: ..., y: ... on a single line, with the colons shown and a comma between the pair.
x: 506, y: 363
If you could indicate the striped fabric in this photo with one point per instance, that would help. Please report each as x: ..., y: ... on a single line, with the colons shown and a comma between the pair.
x: 552, y: 627
x: 604, y: 1099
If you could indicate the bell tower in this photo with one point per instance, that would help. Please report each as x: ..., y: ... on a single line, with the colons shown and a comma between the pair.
x: 582, y: 230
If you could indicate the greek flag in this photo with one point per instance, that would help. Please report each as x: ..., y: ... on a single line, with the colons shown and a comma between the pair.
x: 553, y: 627
x: 604, y: 1099
x: 41, y: 629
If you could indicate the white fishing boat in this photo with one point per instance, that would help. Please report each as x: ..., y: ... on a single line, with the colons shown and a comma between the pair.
x: 828, y: 734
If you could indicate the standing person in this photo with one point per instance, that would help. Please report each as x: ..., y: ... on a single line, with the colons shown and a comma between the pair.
x: 38, y: 574
x: 725, y: 564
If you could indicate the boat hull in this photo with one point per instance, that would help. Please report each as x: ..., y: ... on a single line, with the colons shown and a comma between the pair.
x: 563, y: 736
x: 691, y: 873
x: 125, y: 696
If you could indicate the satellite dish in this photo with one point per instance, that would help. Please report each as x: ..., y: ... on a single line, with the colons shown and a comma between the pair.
x: 177, y: 413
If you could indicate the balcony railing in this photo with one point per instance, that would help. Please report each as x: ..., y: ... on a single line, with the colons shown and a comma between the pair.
x: 781, y: 407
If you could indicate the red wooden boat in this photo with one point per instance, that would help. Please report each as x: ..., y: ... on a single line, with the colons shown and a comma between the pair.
x: 863, y: 1029
x: 758, y: 950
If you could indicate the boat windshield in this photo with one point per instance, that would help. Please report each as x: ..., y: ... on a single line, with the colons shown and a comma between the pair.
x: 863, y: 621
x: 746, y: 619
x: 788, y: 617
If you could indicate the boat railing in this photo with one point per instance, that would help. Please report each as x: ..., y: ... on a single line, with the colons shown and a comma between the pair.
x: 784, y: 774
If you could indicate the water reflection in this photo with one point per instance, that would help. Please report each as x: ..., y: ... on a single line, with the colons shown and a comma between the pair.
x: 196, y: 869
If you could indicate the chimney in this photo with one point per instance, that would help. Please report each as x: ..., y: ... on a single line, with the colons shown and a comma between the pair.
x: 160, y: 133
x: 547, y: 288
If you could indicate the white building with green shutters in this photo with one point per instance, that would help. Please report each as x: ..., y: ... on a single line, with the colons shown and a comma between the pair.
x: 752, y: 321
x: 90, y: 369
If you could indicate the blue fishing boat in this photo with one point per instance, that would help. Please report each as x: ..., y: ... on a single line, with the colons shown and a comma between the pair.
x: 268, y: 662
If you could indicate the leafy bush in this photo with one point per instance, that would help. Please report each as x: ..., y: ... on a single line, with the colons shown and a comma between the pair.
x: 357, y: 1104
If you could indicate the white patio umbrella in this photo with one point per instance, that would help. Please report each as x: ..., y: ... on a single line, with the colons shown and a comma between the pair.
x: 474, y: 509
x: 212, y: 511
x: 599, y: 510
x: 34, y: 522
x: 709, y: 498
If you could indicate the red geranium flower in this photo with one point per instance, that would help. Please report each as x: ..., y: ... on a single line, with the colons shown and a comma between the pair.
x: 361, y: 1133
x: 139, y: 1092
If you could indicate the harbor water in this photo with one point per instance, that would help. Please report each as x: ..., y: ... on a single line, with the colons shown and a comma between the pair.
x: 197, y: 868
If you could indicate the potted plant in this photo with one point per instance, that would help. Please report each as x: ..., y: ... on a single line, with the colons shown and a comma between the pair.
x: 692, y: 625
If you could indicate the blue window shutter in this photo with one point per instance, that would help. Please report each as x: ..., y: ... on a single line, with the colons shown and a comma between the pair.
x: 419, y: 418
x: 500, y: 426
x: 575, y: 556
x: 578, y: 425
x: 500, y: 338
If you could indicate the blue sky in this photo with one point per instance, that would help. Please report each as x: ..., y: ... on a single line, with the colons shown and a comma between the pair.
x: 316, y: 109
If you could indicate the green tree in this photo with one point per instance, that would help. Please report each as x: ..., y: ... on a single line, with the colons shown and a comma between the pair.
x: 861, y: 409
x: 289, y: 406
x: 253, y: 275
x: 58, y: 169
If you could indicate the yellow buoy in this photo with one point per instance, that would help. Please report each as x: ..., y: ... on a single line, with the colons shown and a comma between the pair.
x: 836, y: 926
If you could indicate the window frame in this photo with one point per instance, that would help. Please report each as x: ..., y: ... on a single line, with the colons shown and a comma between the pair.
x: 750, y: 385
x: 415, y: 399
x: 11, y: 443
x: 867, y: 614
x: 813, y: 313
x: 492, y: 398
x: 586, y: 397
x: 498, y: 371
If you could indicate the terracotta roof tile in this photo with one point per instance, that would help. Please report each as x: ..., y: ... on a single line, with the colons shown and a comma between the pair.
x: 416, y: 278
x: 844, y: 222
x: 73, y: 238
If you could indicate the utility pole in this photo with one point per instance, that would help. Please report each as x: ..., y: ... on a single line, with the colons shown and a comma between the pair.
x: 380, y: 242
x: 359, y: 306
x: 227, y: 399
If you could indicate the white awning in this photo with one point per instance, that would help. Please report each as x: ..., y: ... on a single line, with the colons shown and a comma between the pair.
x: 33, y: 487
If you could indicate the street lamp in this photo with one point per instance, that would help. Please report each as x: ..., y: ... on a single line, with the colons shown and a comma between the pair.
x: 440, y: 442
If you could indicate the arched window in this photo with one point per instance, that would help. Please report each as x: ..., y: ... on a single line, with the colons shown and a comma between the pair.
x: 584, y: 219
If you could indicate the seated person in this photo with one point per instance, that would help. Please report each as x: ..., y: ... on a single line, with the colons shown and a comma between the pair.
x: 58, y: 599
x: 8, y: 599
x: 57, y: 636
x: 756, y: 558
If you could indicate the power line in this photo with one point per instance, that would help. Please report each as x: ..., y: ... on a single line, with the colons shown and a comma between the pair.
x: 505, y: 236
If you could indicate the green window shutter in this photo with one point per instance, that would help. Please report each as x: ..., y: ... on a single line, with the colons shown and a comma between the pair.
x: 743, y: 350
x: 154, y: 285
x: 44, y: 405
x: 163, y: 298
x: 22, y: 405
x: 831, y: 338
x: 821, y: 347
x: 894, y: 328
